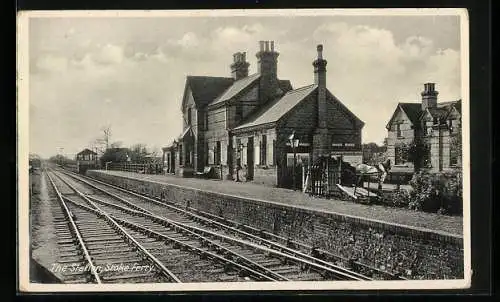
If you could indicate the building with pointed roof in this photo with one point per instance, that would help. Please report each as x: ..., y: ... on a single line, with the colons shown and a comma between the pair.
x: 244, y: 122
x: 425, y: 134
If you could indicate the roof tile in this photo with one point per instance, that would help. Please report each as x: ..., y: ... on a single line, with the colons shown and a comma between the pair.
x: 279, y: 107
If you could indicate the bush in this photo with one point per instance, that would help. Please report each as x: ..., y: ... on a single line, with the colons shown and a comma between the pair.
x: 438, y: 192
x: 399, y: 198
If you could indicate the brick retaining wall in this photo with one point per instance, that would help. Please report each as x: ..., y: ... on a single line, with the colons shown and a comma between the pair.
x: 415, y: 253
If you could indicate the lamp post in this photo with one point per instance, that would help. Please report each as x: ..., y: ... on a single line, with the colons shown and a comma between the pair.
x: 294, y: 142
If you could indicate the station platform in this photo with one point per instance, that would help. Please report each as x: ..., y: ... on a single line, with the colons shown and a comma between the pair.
x: 452, y: 225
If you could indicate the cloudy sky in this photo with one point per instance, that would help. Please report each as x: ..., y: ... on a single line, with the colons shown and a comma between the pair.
x: 129, y: 73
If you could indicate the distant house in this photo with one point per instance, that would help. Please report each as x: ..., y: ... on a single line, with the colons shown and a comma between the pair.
x: 425, y: 134
x: 86, y: 159
x: 246, y: 121
x: 86, y: 155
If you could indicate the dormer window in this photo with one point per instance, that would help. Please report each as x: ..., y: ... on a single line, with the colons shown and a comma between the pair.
x: 435, y: 121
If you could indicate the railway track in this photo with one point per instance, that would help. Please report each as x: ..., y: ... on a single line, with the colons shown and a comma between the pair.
x: 171, y: 209
x: 253, y: 257
x: 95, y: 249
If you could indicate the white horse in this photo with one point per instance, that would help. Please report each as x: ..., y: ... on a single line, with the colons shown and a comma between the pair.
x: 380, y: 171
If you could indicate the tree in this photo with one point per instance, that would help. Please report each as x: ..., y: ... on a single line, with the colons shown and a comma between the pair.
x: 373, y: 153
x: 456, y: 143
x: 107, y: 134
x: 138, y: 152
x: 115, y: 155
x: 416, y: 152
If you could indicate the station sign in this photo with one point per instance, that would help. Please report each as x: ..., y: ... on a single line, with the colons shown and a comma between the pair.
x: 345, y: 146
x: 300, y: 144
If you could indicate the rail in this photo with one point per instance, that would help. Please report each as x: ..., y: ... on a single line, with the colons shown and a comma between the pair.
x: 292, y: 255
x: 152, y: 258
x: 69, y: 216
x: 215, y: 219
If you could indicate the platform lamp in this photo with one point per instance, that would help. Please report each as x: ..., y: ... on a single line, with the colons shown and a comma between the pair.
x: 294, y: 142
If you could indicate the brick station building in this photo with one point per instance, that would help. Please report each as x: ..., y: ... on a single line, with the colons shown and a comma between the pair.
x: 246, y: 121
x: 430, y: 126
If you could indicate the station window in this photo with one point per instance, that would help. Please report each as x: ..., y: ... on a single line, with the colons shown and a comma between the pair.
x: 398, y: 156
x: 453, y: 156
x: 217, y: 153
x: 239, y: 151
x: 263, y: 150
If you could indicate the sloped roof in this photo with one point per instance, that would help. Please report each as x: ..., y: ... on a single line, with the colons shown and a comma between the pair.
x: 285, y: 85
x: 439, y: 112
x: 236, y: 88
x: 279, y: 107
x: 415, y: 113
x: 86, y: 151
x: 448, y: 106
x: 205, y: 88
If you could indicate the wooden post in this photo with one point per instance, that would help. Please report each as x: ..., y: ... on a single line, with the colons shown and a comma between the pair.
x: 339, y: 174
x: 303, y: 177
x: 327, y: 176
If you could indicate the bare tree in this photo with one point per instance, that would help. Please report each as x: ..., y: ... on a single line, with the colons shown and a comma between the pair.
x: 116, y: 144
x: 106, y: 135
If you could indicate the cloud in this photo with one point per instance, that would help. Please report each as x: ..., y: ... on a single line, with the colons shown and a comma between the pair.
x: 52, y: 63
x: 136, y: 82
x: 189, y: 40
x: 367, y: 69
x: 109, y: 54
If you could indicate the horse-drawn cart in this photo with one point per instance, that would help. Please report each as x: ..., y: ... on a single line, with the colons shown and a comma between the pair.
x: 333, y: 177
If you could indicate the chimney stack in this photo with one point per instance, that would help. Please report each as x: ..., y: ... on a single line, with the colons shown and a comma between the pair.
x: 320, y: 80
x: 239, y: 68
x: 268, y: 69
x: 429, y: 96
x: 321, y: 138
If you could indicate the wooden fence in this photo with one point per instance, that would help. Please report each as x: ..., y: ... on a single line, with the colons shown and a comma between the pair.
x: 136, y: 168
x: 321, y: 179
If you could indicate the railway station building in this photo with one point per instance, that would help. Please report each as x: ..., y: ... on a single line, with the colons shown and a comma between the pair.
x: 425, y: 134
x: 256, y: 123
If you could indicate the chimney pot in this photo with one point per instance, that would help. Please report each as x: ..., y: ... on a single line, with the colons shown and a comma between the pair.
x: 244, y: 56
x: 319, y: 48
x: 261, y: 45
x: 429, y: 96
x: 267, y: 45
x: 272, y: 46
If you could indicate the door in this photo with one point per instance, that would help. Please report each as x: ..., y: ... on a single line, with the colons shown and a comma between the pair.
x: 172, y: 163
x: 250, y: 158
